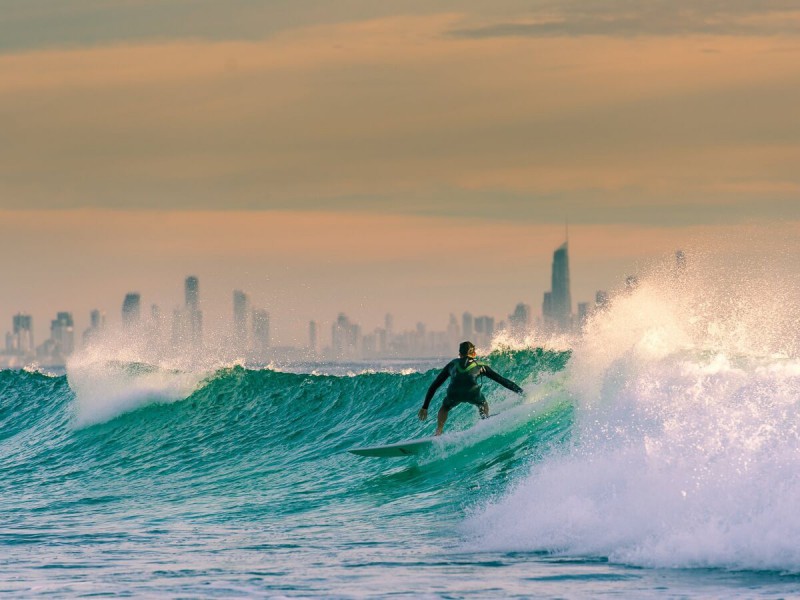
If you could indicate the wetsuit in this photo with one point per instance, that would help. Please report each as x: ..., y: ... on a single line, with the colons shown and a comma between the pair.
x: 464, y: 374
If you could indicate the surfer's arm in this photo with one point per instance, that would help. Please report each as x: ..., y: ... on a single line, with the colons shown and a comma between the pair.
x: 437, y: 383
x: 506, y: 383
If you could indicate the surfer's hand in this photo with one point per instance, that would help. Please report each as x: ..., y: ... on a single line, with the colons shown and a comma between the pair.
x: 422, y: 414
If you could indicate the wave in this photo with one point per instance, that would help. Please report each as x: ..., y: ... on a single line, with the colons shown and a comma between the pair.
x: 686, y: 443
x: 249, y: 442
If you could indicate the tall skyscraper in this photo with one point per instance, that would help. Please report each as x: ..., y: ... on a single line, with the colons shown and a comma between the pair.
x: 194, y: 316
x: 241, y: 308
x: 192, y: 292
x: 557, y: 305
x: 131, y: 309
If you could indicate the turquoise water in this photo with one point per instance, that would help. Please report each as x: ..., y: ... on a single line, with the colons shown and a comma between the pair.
x: 126, y: 478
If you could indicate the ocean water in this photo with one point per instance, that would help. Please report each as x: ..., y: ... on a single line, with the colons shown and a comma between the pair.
x: 657, y: 455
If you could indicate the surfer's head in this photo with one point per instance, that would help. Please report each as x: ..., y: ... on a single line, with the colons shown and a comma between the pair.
x: 466, y: 349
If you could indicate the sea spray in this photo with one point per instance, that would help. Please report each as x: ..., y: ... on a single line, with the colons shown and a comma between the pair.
x: 686, y: 447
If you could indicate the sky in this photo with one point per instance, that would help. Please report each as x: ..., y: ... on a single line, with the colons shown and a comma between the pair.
x: 409, y: 157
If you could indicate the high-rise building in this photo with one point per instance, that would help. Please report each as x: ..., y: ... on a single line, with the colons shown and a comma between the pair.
x: 389, y: 324
x: 97, y: 322
x: 20, y: 340
x: 344, y: 337
x: 191, y: 289
x: 241, y: 308
x: 131, y: 309
x: 62, y: 332
x: 194, y: 316
x: 557, y: 305
x: 312, y: 337
x: 468, y: 325
x: 453, y: 330
x: 520, y: 320
x: 484, y: 327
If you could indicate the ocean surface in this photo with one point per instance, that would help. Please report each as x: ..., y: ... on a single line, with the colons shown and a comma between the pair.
x: 657, y: 455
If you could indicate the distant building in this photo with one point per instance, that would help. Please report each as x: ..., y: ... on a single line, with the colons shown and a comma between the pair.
x: 468, y: 326
x: 97, y: 322
x: 312, y: 337
x: 241, y: 308
x: 345, y: 337
x: 453, y: 330
x: 484, y: 330
x: 191, y: 290
x: 389, y: 324
x: 62, y: 339
x: 20, y: 340
x: 131, y: 310
x: 519, y: 320
x: 557, y: 305
x: 194, y: 316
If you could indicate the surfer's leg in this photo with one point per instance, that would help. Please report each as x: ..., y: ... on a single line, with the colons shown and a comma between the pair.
x: 441, y: 419
x: 483, y: 410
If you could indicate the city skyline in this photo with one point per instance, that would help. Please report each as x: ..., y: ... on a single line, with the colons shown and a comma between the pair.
x: 249, y: 332
x: 293, y: 331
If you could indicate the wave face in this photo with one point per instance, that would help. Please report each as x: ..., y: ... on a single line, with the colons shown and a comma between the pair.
x: 257, y: 452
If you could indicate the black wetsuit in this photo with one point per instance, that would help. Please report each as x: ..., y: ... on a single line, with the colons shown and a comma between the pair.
x: 464, y: 375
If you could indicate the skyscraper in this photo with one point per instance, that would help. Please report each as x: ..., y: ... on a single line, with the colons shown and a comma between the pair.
x: 192, y: 292
x: 131, y: 309
x: 62, y: 332
x: 97, y: 321
x: 520, y: 320
x: 312, y: 336
x: 241, y: 305
x: 193, y: 314
x: 557, y: 305
x: 20, y: 341
x: 468, y: 325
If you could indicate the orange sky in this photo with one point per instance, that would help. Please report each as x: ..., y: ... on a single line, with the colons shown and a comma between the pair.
x: 330, y: 159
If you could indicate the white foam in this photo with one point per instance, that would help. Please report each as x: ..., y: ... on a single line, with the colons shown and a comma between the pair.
x: 687, y: 449
x: 124, y: 371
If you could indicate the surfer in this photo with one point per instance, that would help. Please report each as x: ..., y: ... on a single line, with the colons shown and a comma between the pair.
x: 464, y: 373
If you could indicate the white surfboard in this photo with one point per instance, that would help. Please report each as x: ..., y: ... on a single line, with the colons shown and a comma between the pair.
x: 407, y: 448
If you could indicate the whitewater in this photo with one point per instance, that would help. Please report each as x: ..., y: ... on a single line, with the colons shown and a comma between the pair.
x: 655, y: 455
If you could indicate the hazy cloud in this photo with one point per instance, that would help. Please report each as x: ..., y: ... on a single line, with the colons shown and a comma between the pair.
x: 653, y: 18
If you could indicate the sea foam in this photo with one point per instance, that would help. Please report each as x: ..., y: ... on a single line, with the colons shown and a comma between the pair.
x: 686, y: 448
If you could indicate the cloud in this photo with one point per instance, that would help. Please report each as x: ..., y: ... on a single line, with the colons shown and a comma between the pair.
x: 392, y: 115
x: 641, y: 19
